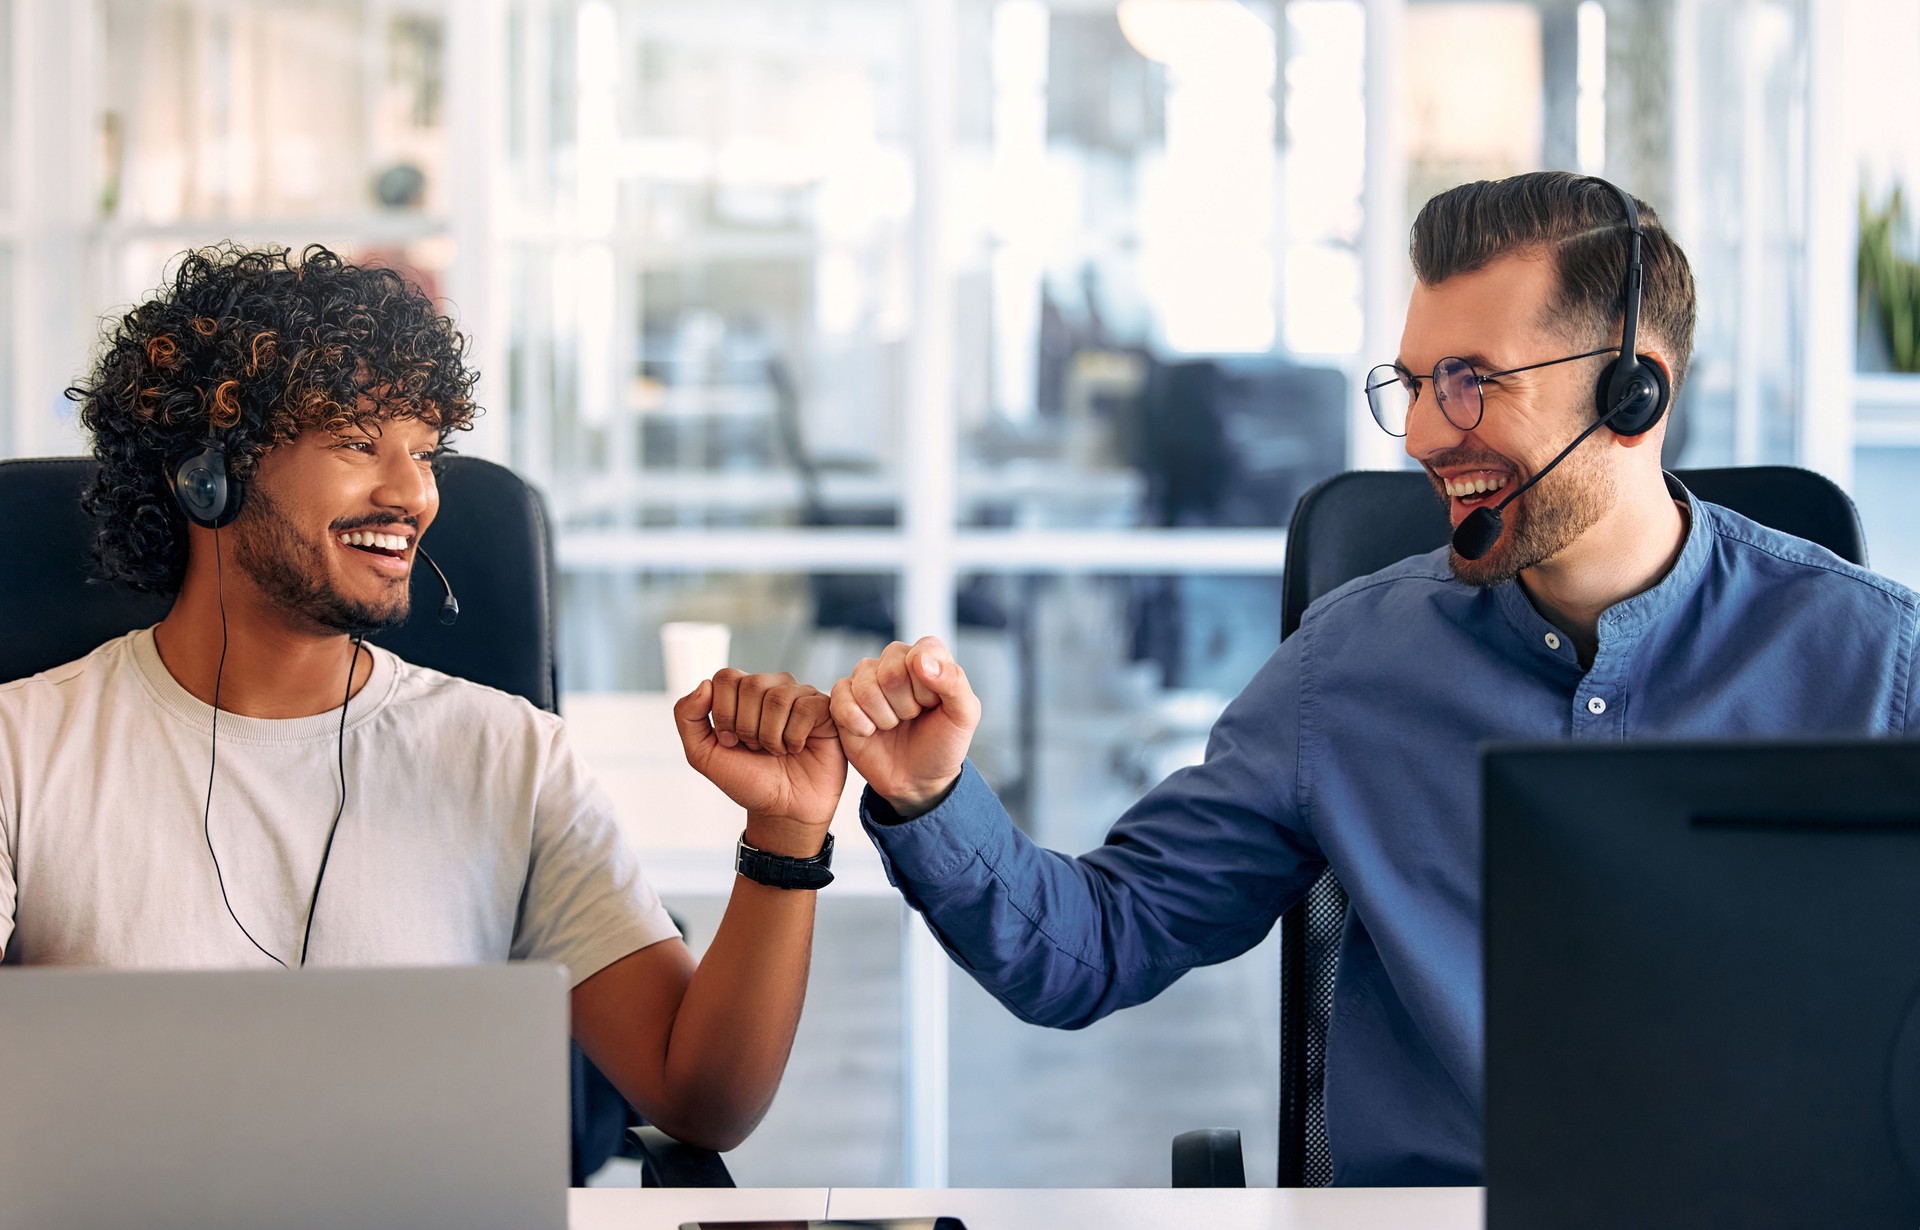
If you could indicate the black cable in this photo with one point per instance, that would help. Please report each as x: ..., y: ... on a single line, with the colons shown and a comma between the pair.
x: 340, y: 750
x: 213, y: 757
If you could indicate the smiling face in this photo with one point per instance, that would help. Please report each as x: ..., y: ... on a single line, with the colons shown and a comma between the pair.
x: 331, y: 523
x: 1494, y: 318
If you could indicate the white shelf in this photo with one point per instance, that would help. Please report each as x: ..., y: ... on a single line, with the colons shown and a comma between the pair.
x: 1882, y: 391
x: 1886, y: 409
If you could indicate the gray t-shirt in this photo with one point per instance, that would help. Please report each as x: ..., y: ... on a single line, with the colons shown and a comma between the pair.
x: 472, y: 832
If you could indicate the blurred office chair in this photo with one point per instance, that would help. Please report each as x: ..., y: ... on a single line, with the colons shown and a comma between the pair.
x: 1225, y: 442
x: 494, y: 541
x: 1235, y: 442
x: 1349, y: 526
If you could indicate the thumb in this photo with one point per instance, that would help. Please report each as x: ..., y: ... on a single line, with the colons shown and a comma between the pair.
x: 937, y: 672
x: 690, y: 720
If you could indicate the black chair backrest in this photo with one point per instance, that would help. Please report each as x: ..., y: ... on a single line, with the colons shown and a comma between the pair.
x: 492, y: 537
x: 1358, y: 523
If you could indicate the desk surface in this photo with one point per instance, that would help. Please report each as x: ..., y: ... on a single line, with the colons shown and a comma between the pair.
x: 1379, y: 1208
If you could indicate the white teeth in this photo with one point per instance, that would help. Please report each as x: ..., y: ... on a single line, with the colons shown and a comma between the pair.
x: 1461, y: 488
x: 365, y: 538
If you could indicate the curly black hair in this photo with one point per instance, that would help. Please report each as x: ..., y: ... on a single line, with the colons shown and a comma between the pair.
x: 251, y: 348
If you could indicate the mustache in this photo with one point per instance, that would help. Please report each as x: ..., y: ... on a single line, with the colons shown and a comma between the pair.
x: 1469, y: 457
x: 345, y: 524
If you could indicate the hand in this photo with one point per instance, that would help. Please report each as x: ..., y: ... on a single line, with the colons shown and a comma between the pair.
x: 905, y: 719
x: 771, y: 746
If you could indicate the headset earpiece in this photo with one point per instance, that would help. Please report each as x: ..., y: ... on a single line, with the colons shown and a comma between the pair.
x: 1633, y: 390
x: 1635, y: 396
x: 203, y: 488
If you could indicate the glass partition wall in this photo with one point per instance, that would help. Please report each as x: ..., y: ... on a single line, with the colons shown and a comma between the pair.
x: 1019, y: 322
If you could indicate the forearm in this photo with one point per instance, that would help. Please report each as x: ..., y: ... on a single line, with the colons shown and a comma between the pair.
x: 1187, y: 877
x: 1029, y: 925
x: 734, y: 1029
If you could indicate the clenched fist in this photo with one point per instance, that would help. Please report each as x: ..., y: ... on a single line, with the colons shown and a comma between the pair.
x: 771, y: 746
x: 905, y: 719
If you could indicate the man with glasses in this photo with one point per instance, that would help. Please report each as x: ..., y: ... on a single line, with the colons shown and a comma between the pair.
x: 1604, y: 603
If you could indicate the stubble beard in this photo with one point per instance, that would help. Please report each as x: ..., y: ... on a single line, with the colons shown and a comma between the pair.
x: 292, y: 572
x: 1545, y: 521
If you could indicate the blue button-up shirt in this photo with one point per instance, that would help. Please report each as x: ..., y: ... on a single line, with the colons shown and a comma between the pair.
x: 1356, y: 747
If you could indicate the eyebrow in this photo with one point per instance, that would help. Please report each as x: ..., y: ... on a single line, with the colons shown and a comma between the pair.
x: 1479, y: 361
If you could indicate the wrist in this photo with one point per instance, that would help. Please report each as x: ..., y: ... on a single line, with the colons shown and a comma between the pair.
x: 911, y: 805
x: 785, y: 836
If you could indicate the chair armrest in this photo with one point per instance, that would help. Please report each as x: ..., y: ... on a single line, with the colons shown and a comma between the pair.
x: 665, y: 1162
x: 1208, y: 1157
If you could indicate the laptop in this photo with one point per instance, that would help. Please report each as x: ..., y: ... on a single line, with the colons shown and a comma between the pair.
x: 418, y: 1098
x: 1703, y: 985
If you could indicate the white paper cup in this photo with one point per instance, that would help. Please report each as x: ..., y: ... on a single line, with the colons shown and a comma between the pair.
x: 693, y: 652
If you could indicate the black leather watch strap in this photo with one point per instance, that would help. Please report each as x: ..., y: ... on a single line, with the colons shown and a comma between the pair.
x: 784, y: 871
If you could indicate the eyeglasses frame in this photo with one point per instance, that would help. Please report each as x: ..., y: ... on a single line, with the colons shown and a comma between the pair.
x: 1479, y: 378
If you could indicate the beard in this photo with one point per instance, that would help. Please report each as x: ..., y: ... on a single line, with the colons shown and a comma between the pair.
x: 292, y: 572
x: 1550, y: 518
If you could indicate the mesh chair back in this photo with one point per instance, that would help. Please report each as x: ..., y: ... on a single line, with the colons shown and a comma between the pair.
x: 1360, y: 522
x: 492, y: 538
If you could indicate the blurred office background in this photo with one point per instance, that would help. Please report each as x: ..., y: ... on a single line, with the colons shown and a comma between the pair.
x: 1022, y: 322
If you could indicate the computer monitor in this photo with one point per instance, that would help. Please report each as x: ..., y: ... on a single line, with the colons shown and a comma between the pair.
x: 1703, y: 985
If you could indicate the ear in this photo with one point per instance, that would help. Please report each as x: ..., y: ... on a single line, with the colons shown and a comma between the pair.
x: 1654, y: 356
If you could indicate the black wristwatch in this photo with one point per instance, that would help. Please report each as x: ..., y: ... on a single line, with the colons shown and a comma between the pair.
x: 781, y: 871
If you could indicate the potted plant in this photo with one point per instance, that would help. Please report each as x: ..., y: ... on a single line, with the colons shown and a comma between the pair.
x: 1889, y: 284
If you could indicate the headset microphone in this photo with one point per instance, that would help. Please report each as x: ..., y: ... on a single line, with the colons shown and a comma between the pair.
x: 450, y: 605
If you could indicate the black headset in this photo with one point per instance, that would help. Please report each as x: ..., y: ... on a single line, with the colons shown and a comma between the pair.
x: 1633, y: 391
x: 202, y: 484
x: 206, y: 492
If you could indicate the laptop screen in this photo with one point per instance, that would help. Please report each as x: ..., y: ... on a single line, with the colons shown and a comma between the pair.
x: 390, y: 1097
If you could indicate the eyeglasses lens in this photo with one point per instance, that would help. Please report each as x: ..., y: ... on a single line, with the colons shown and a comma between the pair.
x: 1390, y: 397
x: 1457, y: 386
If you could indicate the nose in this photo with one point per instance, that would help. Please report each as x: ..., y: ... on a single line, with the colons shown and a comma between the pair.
x: 1429, y: 431
x: 407, y: 485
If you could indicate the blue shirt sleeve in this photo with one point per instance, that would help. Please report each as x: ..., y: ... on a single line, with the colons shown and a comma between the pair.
x: 1194, y: 873
x: 1910, y: 720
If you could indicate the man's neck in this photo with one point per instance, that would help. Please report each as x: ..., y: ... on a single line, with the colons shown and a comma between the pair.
x: 273, y: 669
x: 1626, y: 553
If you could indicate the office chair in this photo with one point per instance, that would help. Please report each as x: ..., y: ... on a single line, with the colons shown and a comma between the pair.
x: 1345, y: 527
x: 494, y: 541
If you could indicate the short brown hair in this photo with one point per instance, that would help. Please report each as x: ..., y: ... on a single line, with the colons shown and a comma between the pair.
x: 1577, y: 221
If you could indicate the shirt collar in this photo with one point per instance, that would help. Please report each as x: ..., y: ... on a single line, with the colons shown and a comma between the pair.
x: 1628, y: 620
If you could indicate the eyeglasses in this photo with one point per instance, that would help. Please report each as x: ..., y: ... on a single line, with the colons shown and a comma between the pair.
x: 1392, y: 390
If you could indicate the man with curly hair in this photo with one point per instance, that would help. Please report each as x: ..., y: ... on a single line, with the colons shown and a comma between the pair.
x: 171, y: 799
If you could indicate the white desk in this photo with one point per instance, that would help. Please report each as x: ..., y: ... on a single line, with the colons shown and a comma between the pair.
x: 1165, y: 1208
x: 1378, y: 1208
x: 650, y: 1208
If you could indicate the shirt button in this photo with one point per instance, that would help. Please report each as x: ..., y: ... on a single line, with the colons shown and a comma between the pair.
x: 1553, y: 642
x: 1596, y: 705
